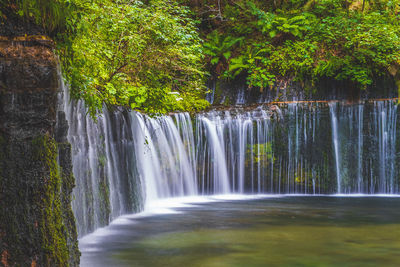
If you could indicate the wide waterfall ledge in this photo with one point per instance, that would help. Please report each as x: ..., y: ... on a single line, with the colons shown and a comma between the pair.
x: 125, y: 162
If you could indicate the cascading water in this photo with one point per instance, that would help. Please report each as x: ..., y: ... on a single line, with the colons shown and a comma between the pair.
x: 126, y: 160
x: 365, y: 134
x: 335, y: 140
x: 164, y: 157
x: 104, y: 166
x: 385, y: 118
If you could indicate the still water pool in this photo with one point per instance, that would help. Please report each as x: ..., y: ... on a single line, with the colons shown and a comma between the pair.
x: 253, y: 231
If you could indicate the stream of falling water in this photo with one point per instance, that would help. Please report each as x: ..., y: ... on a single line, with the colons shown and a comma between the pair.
x: 335, y: 140
x: 125, y: 161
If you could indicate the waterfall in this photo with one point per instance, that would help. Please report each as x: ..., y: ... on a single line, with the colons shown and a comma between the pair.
x: 385, y: 118
x: 104, y: 167
x: 335, y: 140
x: 219, y: 178
x: 125, y: 160
x: 360, y: 147
x: 164, y: 155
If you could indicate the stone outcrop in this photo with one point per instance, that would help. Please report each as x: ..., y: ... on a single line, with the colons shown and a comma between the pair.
x: 37, y: 226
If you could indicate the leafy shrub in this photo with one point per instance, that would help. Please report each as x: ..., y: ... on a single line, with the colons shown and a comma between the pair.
x: 147, y: 57
x: 352, y: 41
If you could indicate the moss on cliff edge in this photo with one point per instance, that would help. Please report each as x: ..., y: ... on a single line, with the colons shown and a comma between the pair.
x: 37, y: 226
x: 52, y: 228
x: 68, y: 183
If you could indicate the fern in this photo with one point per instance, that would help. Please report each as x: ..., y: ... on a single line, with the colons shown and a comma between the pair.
x: 218, y: 47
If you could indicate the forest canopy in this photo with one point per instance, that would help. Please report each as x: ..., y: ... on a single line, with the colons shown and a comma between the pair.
x: 155, y: 56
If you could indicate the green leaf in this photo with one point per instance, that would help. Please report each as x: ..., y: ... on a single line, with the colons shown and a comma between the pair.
x: 227, y: 55
x: 214, y: 60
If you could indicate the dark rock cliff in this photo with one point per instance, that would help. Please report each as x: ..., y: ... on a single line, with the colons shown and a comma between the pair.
x: 237, y: 91
x: 37, y: 226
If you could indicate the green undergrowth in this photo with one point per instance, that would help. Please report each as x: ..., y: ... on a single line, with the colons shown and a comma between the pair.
x: 357, y: 42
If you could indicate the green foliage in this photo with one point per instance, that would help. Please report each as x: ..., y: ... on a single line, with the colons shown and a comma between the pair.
x: 219, y: 48
x: 275, y: 23
x: 368, y: 45
x: 53, y: 15
x: 352, y: 41
x: 147, y: 57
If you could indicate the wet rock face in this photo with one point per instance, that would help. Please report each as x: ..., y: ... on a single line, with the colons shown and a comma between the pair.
x: 28, y: 94
x: 37, y: 226
x: 237, y: 92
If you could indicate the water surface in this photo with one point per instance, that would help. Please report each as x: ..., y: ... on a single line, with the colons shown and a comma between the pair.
x: 273, y: 231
